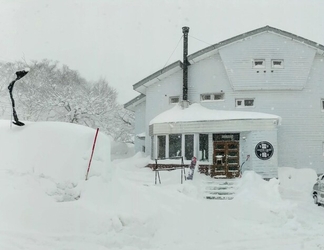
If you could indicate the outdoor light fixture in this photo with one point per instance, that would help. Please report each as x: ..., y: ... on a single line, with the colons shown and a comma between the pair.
x: 20, y: 74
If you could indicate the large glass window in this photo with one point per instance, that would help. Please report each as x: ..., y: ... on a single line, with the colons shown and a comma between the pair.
x: 189, y: 146
x: 203, y: 147
x: 161, y: 146
x: 174, y: 145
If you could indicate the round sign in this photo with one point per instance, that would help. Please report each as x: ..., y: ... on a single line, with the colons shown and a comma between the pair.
x: 264, y: 150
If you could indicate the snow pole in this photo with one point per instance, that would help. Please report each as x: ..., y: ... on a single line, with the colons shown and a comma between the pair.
x: 93, y: 147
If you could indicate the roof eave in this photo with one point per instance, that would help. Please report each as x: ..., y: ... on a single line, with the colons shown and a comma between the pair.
x: 213, y: 48
x: 157, y: 76
x: 134, y: 102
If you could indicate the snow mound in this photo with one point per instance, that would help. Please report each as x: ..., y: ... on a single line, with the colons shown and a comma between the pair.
x: 297, y: 183
x: 253, y: 188
x: 53, y: 155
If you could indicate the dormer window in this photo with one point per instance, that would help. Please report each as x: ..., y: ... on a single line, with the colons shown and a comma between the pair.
x: 277, y: 64
x: 258, y: 63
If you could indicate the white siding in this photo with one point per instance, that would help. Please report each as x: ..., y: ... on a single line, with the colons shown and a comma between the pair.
x: 266, y: 168
x: 139, y: 126
x: 293, y: 93
x: 238, y: 60
x: 157, y: 100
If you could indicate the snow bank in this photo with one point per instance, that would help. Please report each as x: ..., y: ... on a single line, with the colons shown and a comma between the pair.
x: 253, y: 188
x: 297, y: 183
x: 119, y: 207
x: 55, y: 154
x: 121, y: 150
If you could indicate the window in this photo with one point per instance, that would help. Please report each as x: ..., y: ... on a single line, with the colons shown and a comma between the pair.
x: 174, y: 145
x: 258, y: 64
x: 277, y: 64
x: 244, y: 102
x: 214, y: 96
x: 205, y: 97
x: 322, y: 104
x: 174, y: 99
x: 189, y: 146
x: 203, y: 147
x: 161, y: 139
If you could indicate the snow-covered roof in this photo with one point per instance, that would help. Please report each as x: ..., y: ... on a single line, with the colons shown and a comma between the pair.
x: 196, y: 112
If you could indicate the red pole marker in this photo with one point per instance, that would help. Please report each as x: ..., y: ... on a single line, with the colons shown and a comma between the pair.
x: 93, y: 147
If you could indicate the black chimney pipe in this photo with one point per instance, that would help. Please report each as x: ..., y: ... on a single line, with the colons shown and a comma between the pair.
x: 185, y: 31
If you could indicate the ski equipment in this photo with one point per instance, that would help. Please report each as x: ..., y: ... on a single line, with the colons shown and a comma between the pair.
x: 192, y: 168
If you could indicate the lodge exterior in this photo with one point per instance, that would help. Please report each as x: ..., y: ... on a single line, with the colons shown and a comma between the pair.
x: 272, y: 79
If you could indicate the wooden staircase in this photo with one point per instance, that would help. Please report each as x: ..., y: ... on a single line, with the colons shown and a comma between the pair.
x: 219, y: 189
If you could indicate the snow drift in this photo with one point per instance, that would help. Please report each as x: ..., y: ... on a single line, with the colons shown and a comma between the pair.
x: 45, y: 203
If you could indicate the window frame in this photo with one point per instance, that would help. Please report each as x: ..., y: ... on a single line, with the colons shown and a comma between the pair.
x: 243, y: 100
x: 322, y: 104
x: 281, y: 66
x: 262, y: 66
x: 212, y: 96
x: 173, y: 97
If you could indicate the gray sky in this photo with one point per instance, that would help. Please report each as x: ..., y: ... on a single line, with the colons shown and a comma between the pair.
x: 126, y: 40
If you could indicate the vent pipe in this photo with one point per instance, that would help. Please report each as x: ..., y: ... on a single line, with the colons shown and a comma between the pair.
x: 185, y: 31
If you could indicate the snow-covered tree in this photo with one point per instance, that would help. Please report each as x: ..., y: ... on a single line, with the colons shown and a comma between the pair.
x: 56, y: 93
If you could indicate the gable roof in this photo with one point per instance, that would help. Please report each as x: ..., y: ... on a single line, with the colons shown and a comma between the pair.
x: 174, y: 67
x: 207, y: 51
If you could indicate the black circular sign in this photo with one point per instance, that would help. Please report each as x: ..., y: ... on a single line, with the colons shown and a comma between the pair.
x: 264, y: 150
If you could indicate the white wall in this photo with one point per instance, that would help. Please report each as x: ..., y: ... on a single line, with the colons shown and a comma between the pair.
x: 157, y: 100
x: 140, y: 125
x: 294, y: 92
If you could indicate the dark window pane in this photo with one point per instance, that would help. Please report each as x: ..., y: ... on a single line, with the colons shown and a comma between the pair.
x: 189, y: 146
x: 203, y: 147
x: 248, y: 102
x: 161, y: 146
x: 174, y: 145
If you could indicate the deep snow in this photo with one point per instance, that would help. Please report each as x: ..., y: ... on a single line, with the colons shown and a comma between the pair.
x: 45, y: 203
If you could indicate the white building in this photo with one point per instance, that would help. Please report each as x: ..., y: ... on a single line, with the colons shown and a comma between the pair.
x: 256, y: 102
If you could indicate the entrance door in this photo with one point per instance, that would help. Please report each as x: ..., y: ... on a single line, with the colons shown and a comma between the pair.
x: 226, y: 160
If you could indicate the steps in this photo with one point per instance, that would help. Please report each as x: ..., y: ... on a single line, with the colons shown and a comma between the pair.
x: 219, y: 189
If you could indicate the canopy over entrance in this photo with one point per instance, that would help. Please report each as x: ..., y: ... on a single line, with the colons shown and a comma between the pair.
x: 198, y: 119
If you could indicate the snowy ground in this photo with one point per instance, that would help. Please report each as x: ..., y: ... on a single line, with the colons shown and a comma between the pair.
x: 45, y: 203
